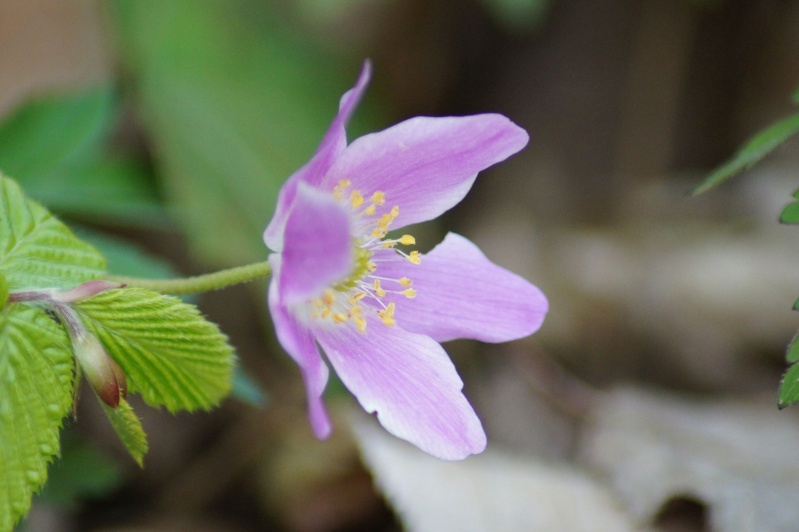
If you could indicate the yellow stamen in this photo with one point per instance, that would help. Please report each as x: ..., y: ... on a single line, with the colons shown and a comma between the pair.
x: 356, y: 199
x: 379, y: 289
x: 415, y: 257
x: 387, y: 315
x: 370, y: 210
x: 338, y: 190
x: 339, y: 318
x: 360, y: 324
x: 404, y: 281
x: 409, y: 293
x: 407, y: 240
x: 329, y: 297
x: 379, y: 198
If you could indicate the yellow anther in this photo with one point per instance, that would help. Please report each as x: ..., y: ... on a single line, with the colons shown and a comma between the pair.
x: 360, y: 324
x: 329, y: 297
x: 404, y: 281
x: 389, y: 243
x: 415, y: 257
x: 357, y: 297
x: 338, y: 190
x: 356, y: 199
x: 387, y: 315
x: 379, y: 289
x: 394, y: 212
x: 407, y: 240
x: 409, y: 293
x: 370, y: 210
x: 371, y: 266
x: 340, y: 318
x: 326, y: 312
x: 379, y: 198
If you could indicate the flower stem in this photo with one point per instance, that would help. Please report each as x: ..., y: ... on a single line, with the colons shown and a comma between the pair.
x: 199, y: 283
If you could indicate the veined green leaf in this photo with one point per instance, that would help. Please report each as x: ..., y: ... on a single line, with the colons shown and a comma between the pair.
x: 128, y: 428
x: 168, y: 351
x: 792, y: 353
x: 755, y: 149
x: 36, y: 249
x: 36, y: 382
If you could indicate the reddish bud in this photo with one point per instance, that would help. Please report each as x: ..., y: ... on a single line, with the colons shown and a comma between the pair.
x: 103, y: 373
x: 85, y: 291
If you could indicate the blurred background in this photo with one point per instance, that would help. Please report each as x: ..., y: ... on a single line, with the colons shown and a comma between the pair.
x: 162, y: 131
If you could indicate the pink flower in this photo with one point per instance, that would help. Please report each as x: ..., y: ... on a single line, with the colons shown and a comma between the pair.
x: 377, y: 309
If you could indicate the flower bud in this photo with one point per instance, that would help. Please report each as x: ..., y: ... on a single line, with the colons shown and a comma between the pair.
x: 103, y: 373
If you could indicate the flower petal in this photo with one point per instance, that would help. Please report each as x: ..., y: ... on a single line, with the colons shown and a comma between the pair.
x: 317, y: 251
x: 426, y: 165
x: 410, y: 382
x: 299, y: 344
x: 333, y: 143
x: 462, y: 294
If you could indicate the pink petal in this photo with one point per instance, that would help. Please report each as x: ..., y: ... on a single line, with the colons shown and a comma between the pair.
x: 333, y: 143
x: 317, y: 251
x: 462, y: 294
x: 426, y: 165
x: 299, y: 344
x: 410, y: 382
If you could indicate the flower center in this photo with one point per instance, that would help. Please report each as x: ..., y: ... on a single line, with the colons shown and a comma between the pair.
x: 364, y: 290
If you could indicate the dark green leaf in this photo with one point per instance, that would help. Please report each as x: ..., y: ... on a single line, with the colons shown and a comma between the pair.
x: 789, y: 389
x: 755, y: 149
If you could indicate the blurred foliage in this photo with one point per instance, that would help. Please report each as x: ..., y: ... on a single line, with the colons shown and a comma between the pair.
x: 753, y: 151
x: 233, y: 102
x: 55, y: 147
x: 519, y: 15
x: 82, y: 472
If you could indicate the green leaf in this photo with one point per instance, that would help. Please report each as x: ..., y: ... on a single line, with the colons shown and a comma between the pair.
x: 790, y: 214
x: 128, y: 428
x: 792, y: 353
x: 82, y: 472
x: 36, y: 382
x: 235, y: 100
x: 168, y: 351
x: 789, y: 388
x: 755, y: 149
x: 37, y: 250
x: 54, y: 131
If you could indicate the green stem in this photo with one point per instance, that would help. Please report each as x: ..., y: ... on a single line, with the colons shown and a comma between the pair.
x: 199, y: 283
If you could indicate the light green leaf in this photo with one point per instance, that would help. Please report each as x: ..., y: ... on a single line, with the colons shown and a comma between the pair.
x: 36, y: 383
x: 37, y: 250
x: 758, y: 147
x: 168, y: 351
x: 128, y: 428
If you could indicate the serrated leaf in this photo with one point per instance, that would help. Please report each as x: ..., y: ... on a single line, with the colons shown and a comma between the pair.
x: 755, y: 149
x: 168, y: 351
x: 36, y: 382
x: 789, y: 387
x: 128, y: 428
x: 792, y: 353
x: 36, y: 249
